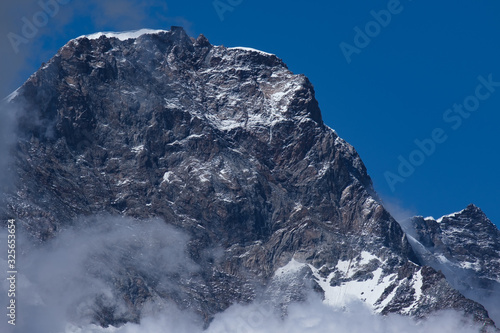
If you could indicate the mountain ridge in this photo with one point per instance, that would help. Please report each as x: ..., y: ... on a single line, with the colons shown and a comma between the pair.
x: 463, y: 245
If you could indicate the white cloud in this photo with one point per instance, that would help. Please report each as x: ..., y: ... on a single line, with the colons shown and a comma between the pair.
x: 59, y: 281
x: 310, y: 317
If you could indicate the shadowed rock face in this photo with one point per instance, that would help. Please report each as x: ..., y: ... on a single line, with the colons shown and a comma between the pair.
x: 226, y: 144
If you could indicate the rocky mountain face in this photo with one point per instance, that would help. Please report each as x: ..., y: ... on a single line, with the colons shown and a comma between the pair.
x: 227, y: 145
x: 465, y: 246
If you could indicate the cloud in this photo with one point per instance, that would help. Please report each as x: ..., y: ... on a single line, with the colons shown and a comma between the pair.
x: 60, y: 280
x: 397, y: 209
x: 314, y: 316
x: 310, y: 317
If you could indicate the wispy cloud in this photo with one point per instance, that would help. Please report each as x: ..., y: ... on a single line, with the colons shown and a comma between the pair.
x: 69, y: 278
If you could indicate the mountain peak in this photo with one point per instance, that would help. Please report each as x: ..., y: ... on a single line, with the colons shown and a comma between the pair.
x: 169, y: 61
x: 226, y: 144
x: 471, y: 211
x: 471, y: 208
x: 465, y: 246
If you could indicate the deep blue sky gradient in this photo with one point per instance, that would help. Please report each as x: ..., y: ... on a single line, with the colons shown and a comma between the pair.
x: 393, y: 92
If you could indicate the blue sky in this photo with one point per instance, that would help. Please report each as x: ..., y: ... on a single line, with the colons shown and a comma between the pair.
x: 403, y: 79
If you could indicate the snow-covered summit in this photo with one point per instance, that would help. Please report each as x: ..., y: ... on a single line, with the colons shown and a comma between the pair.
x: 124, y: 35
x: 132, y: 34
x: 439, y: 220
x: 249, y: 49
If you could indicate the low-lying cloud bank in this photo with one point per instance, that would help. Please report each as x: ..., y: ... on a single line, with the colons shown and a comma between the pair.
x: 60, y: 280
x: 310, y: 317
